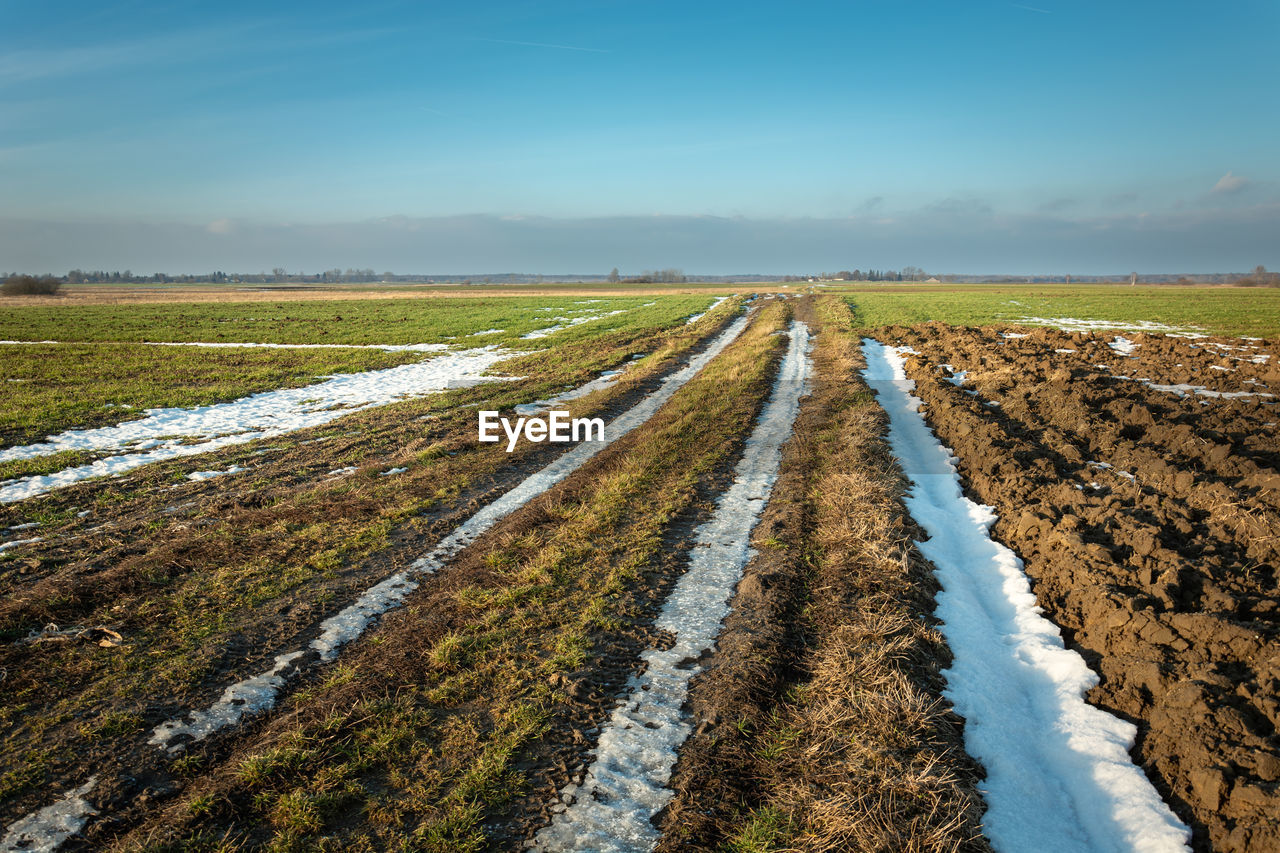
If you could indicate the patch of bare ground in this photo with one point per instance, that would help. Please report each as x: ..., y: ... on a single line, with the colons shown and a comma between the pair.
x: 1149, y: 522
x: 431, y: 728
x: 207, y: 581
x: 820, y: 720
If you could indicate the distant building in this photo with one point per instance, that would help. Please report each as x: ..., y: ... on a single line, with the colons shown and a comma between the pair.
x: 932, y: 281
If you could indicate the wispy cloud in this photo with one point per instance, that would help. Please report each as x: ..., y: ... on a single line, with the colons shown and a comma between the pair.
x: 544, y: 44
x: 1230, y: 183
x: 1031, y: 8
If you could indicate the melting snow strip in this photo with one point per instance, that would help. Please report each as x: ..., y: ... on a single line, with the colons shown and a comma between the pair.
x: 197, y: 476
x: 693, y: 318
x: 1059, y: 775
x: 235, y: 345
x: 626, y: 784
x: 566, y: 322
x: 1073, y: 324
x: 604, y: 380
x: 46, y: 829
x: 351, y: 622
x: 160, y: 435
x: 1184, y: 389
x: 383, y: 347
x: 5, y: 546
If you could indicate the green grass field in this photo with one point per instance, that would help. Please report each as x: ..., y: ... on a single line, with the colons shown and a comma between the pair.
x: 1218, y: 310
x: 341, y: 321
x: 97, y: 375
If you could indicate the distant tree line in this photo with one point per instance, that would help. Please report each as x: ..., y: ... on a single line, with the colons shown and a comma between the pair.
x: 30, y: 285
x: 16, y: 283
x: 1260, y: 278
x: 906, y: 274
x: 667, y: 276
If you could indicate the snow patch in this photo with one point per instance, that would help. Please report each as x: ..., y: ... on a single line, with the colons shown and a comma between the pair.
x: 383, y: 347
x: 957, y: 377
x: 1123, y: 345
x: 197, y: 476
x: 351, y: 621
x: 1183, y: 390
x: 1074, y: 324
x: 604, y: 380
x: 693, y: 318
x: 241, y: 699
x: 1058, y: 769
x: 568, y: 322
x: 17, y: 543
x: 47, y: 829
x: 626, y: 784
x: 160, y: 435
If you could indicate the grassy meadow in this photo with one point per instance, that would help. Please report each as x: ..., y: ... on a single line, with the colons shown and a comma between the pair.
x: 1226, y: 311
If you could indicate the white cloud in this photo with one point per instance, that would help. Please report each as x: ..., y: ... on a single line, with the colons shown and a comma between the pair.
x: 1230, y: 183
x: 220, y: 226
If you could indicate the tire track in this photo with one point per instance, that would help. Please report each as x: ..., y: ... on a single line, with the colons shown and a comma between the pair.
x: 259, y: 693
x: 626, y: 785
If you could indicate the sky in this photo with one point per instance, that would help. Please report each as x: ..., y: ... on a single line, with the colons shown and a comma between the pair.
x: 575, y: 136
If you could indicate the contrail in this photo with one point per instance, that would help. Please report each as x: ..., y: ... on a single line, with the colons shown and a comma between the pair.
x: 1032, y: 9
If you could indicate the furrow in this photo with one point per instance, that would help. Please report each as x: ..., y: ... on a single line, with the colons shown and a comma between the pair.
x: 1058, y: 769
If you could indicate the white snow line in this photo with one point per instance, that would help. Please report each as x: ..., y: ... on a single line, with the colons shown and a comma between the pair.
x: 1074, y: 324
x: 1183, y: 390
x: 235, y: 345
x: 27, y: 526
x: 351, y: 622
x: 224, y: 345
x: 16, y: 543
x: 197, y: 476
x: 391, y: 472
x: 566, y: 322
x: 693, y: 318
x: 45, y: 830
x: 1059, y: 775
x: 626, y: 785
x: 159, y: 435
x: 242, y: 699
x: 604, y: 380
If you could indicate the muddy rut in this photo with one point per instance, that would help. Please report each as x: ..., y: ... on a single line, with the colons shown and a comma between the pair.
x: 1147, y: 512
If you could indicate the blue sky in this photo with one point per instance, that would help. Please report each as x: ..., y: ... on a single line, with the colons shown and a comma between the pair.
x: 958, y: 136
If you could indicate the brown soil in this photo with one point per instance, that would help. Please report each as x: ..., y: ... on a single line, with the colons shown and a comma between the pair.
x: 1161, y: 568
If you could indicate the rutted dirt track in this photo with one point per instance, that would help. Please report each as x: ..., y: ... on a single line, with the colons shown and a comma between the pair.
x: 1149, y: 521
x: 1138, y: 483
